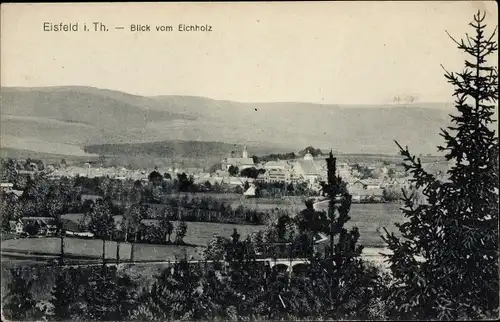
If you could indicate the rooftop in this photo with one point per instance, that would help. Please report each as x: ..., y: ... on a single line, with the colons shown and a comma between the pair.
x: 309, y: 167
x: 242, y: 161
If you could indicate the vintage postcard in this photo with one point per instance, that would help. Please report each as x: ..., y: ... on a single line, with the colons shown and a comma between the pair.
x: 249, y: 161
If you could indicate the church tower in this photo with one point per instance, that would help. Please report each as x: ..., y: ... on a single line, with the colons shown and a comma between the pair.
x: 245, y: 152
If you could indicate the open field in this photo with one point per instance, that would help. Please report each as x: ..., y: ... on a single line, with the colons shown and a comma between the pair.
x: 91, y: 248
x: 369, y: 218
x: 198, y: 234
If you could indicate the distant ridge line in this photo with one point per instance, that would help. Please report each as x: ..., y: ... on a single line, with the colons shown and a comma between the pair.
x: 162, y: 96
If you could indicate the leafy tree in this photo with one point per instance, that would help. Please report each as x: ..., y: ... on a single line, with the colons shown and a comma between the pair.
x: 376, y: 174
x: 251, y: 172
x: 258, y: 241
x: 166, y: 228
x: 32, y: 228
x: 364, y: 172
x: 238, y: 189
x: 233, y: 170
x: 391, y: 194
x: 137, y: 184
x: 446, y: 265
x: 10, y: 209
x: 314, y: 152
x: 9, y: 170
x: 133, y: 218
x: 184, y: 182
x: 155, y: 194
x: 20, y: 182
x: 102, y: 224
x: 216, y: 248
x: 54, y: 202
x: 180, y: 232
x: 155, y: 177
x: 214, y: 167
x: 208, y: 185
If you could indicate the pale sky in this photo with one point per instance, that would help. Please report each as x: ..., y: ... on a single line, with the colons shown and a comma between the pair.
x: 325, y: 52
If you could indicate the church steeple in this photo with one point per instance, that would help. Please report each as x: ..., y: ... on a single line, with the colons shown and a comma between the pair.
x: 245, y: 152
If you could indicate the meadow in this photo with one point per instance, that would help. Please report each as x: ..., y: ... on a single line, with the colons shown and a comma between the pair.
x: 369, y: 218
x: 73, y: 247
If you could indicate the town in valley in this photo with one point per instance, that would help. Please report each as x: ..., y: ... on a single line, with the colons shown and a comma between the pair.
x: 300, y: 162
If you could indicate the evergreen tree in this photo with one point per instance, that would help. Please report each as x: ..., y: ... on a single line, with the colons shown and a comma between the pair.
x: 173, y: 296
x: 63, y: 295
x: 446, y: 264
x: 100, y: 295
x: 341, y: 279
x: 180, y: 233
x: 18, y: 303
x: 108, y: 295
x: 127, y: 297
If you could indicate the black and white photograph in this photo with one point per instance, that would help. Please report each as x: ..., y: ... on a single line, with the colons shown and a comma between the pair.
x: 249, y: 161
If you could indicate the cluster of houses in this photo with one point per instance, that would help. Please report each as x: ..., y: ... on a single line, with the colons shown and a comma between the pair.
x: 289, y: 171
x: 46, y: 227
x: 306, y: 169
x: 313, y: 171
x: 93, y: 172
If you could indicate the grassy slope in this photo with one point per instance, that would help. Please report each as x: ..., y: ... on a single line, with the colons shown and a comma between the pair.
x: 85, y: 116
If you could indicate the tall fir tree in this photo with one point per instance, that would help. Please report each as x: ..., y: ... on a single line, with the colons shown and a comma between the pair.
x: 445, y: 265
x: 342, y: 285
x: 63, y: 296
x: 18, y: 303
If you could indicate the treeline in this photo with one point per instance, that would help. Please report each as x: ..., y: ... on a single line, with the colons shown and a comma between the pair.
x: 281, y: 189
x: 230, y: 285
x: 288, y: 156
x: 43, y: 197
x: 9, y: 168
x: 240, y: 289
x: 274, y: 157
